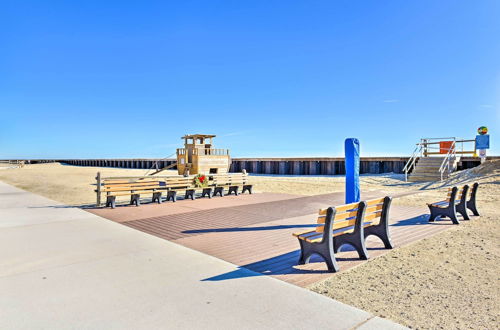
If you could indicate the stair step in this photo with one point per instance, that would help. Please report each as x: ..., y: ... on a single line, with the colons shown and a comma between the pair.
x: 425, y: 173
x: 423, y: 160
x: 429, y: 163
x: 414, y: 178
x: 428, y: 174
x: 428, y: 166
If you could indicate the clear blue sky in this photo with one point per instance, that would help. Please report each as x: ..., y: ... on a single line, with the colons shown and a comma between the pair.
x: 83, y: 79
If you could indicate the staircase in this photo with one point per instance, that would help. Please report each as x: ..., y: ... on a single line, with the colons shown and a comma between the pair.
x: 428, y: 169
x: 422, y: 166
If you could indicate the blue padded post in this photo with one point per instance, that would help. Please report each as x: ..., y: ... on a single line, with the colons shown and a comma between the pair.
x: 352, y: 192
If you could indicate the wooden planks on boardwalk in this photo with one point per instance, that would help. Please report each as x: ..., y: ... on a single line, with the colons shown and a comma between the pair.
x: 255, y: 231
x: 270, y: 249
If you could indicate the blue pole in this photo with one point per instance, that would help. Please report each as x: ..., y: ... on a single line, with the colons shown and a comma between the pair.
x: 352, y: 191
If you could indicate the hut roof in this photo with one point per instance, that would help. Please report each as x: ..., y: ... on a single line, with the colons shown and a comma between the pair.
x: 195, y: 136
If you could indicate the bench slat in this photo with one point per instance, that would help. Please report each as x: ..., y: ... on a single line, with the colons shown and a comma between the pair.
x: 135, y: 188
x: 375, y: 201
x: 341, y: 208
x: 374, y: 208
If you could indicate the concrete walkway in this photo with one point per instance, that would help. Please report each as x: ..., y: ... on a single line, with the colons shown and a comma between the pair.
x: 63, y: 268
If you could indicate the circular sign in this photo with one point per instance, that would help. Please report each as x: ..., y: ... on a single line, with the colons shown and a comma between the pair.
x: 482, y: 130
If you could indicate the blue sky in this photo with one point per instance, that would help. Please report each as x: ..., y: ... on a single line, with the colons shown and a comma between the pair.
x: 106, y: 79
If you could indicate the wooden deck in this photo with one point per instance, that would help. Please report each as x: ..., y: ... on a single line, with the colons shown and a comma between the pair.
x: 255, y: 231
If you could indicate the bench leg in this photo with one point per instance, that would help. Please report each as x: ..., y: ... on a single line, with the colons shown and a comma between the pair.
x: 233, y: 189
x: 135, y: 199
x: 471, y: 205
x: 434, y: 213
x: 356, y: 240
x: 247, y: 187
x: 382, y: 232
x: 324, y: 250
x: 157, y: 197
x: 189, y: 194
x: 172, y: 195
x: 219, y: 190
x: 449, y: 212
x: 206, y: 192
x: 111, y: 201
x: 454, y: 219
x: 462, y: 209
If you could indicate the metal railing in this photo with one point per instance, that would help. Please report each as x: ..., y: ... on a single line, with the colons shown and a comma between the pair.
x: 448, y: 161
x: 412, y: 161
x: 431, y: 146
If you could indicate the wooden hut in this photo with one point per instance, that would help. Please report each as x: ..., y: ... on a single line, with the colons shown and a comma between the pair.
x: 199, y: 157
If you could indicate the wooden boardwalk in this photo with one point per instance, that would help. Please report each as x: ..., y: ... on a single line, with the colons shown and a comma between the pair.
x: 255, y: 231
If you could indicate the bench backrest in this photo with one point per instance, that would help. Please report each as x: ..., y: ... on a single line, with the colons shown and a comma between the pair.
x: 364, y: 213
x: 230, y: 179
x: 456, y: 194
x: 179, y: 182
x: 377, y: 209
x: 340, y: 217
x: 125, y: 185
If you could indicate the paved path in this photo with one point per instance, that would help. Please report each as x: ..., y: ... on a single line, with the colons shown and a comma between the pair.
x: 63, y: 268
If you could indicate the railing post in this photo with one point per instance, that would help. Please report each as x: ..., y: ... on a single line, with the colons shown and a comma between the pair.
x: 98, y: 190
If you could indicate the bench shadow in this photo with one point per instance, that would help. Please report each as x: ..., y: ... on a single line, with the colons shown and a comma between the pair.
x: 69, y: 206
x: 93, y: 206
x: 236, y: 229
x: 422, y: 219
x: 284, y: 264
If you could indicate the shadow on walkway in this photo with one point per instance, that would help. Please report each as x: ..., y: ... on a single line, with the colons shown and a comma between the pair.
x: 279, y: 265
x: 235, y: 229
x: 285, y: 264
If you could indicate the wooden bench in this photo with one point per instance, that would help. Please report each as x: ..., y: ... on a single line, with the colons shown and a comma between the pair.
x: 456, y: 201
x: 186, y: 184
x: 121, y: 187
x: 346, y: 224
x: 233, y: 182
x: 135, y: 186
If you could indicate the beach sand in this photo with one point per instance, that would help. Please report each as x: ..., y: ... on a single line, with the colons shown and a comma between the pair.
x: 450, y: 280
x: 74, y: 185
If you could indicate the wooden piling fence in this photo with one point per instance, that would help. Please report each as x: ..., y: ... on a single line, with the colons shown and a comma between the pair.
x: 276, y: 166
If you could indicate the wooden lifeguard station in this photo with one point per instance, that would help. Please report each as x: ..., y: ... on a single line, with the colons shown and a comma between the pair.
x: 199, y: 157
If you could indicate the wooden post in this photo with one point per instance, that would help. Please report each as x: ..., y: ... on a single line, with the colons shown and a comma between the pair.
x: 98, y: 179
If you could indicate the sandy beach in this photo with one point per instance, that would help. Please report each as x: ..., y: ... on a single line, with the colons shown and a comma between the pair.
x: 449, y: 280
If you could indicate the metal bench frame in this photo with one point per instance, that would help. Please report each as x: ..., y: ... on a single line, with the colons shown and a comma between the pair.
x: 471, y: 203
x: 381, y: 230
x: 462, y: 205
x: 448, y: 211
x: 328, y: 245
